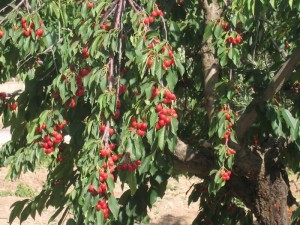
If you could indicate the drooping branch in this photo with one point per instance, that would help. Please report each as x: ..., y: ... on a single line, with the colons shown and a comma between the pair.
x: 210, y: 63
x: 285, y: 72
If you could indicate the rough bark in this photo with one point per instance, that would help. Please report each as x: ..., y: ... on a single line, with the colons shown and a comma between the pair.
x: 211, y: 65
x: 268, y: 193
x: 261, y: 182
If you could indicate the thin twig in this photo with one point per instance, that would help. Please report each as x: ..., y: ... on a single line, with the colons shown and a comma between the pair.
x: 14, y: 9
x: 111, y: 56
x: 120, y: 51
x: 9, y: 4
x: 27, y: 6
x: 109, y: 11
x: 49, y: 49
x: 38, y: 9
x: 165, y: 28
x: 133, y: 6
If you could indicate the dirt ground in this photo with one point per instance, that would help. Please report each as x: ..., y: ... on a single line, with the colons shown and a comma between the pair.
x: 171, y: 210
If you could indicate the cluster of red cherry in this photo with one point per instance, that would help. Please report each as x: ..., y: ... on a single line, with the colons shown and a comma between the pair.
x: 140, y: 127
x: 226, y: 175
x: 27, y: 30
x: 49, y: 140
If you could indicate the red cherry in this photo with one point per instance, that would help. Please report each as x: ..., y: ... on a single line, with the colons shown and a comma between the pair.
x: 111, y: 131
x: 229, y: 40
x: 1, y: 33
x: 91, y: 188
x: 167, y: 120
x: 159, y: 12
x: 39, y: 32
x: 144, y: 126
x: 154, y: 14
x: 161, y: 123
x: 149, y: 63
x: 102, y: 128
x: 228, y: 117
x: 114, y: 158
x: 23, y: 20
x: 158, y: 108
x: 27, y: 33
x: 151, y: 19
x: 98, y: 207
x: 239, y: 39
x: 112, y: 146
x: 72, y: 103
x: 287, y: 46
x: 140, y: 132
x: 146, y: 21
x: 90, y: 5
x: 84, y: 50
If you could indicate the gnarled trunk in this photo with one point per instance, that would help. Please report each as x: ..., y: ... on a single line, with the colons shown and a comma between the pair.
x: 268, y: 194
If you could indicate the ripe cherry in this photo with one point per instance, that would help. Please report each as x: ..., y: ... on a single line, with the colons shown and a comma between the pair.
x: 239, y: 39
x: 287, y: 46
x: 158, y: 108
x: 90, y: 5
x: 228, y: 117
x: 1, y: 33
x: 159, y: 12
x: 149, y: 63
x: 23, y: 20
x: 154, y: 14
x: 39, y: 32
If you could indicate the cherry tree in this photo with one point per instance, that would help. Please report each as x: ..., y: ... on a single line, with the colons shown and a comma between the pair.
x: 138, y: 91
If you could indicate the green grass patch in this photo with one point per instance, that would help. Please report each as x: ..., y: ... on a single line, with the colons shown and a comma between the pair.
x: 24, y: 191
x: 6, y: 193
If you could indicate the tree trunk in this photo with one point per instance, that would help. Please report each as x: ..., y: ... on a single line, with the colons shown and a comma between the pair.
x: 259, y: 180
x: 265, y: 190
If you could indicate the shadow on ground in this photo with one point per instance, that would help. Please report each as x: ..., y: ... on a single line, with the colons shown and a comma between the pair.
x: 169, y: 219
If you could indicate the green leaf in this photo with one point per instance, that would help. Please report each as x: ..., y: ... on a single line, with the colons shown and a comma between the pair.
x: 99, y: 216
x: 218, y: 30
x: 208, y: 31
x: 71, y: 222
x: 153, y: 196
x: 223, y: 60
x: 296, y: 214
x: 179, y: 66
x: 131, y: 179
x: 17, y: 209
x: 113, y: 206
x: 171, y: 80
x: 145, y: 164
x: 272, y: 2
x: 290, y: 121
x: 161, y: 138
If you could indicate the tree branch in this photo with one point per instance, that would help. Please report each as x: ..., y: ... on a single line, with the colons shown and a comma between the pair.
x: 210, y: 64
x: 14, y: 9
x: 250, y: 115
x: 198, y: 161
